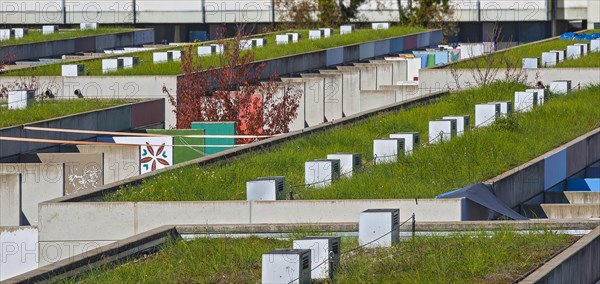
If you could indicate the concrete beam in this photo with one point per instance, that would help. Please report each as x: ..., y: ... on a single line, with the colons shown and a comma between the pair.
x: 10, y: 200
x: 350, y: 89
x: 333, y: 94
x: 312, y: 98
x: 371, y: 99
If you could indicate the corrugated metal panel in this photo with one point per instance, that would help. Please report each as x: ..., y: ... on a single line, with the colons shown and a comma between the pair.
x: 367, y: 50
x: 147, y: 113
x: 335, y: 56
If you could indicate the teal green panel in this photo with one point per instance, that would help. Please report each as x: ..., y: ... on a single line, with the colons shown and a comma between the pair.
x: 181, y: 152
x: 430, y: 60
x: 216, y: 128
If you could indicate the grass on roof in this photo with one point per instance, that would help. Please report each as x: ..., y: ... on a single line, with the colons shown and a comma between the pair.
x: 590, y: 60
x: 476, y: 257
x: 147, y: 67
x: 47, y: 109
x: 428, y: 172
x: 38, y: 36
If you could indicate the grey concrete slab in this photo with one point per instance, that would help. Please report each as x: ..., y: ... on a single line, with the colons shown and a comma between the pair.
x: 10, y: 200
x: 371, y: 99
x: 403, y: 92
x: 332, y: 92
x: 313, y: 98
x: 120, y: 162
x: 399, y: 71
x: 350, y: 90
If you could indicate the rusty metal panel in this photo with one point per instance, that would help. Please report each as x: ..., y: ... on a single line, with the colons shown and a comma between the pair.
x: 148, y: 113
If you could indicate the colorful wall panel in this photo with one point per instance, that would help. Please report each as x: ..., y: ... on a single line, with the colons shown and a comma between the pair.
x: 155, y: 152
x: 367, y: 50
x: 335, y: 56
x: 216, y: 128
x: 397, y: 45
x: 184, y: 148
x: 555, y: 168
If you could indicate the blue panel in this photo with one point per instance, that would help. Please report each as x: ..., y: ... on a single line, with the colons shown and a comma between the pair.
x: 423, y: 39
x: 580, y: 184
x: 437, y: 37
x: 441, y: 57
x: 592, y: 172
x: 423, y: 59
x: 555, y: 168
x: 397, y: 45
x: 382, y: 47
x: 335, y: 56
x: 367, y: 50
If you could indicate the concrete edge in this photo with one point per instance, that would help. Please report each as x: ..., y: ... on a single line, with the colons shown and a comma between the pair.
x: 256, y: 146
x: 538, y: 275
x: 130, y: 247
x: 125, y: 30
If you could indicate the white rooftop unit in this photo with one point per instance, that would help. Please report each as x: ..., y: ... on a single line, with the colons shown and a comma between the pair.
x: 574, y: 51
x: 595, y: 45
x: 295, y: 36
x: 379, y: 228
x: 246, y: 44
x: 506, y: 107
x: 19, y: 99
x: 129, y: 62
x: 20, y: 32
x: 441, y: 130
x: 462, y: 123
x: 525, y: 101
x: 207, y: 50
x: 324, y: 253
x: 283, y: 39
x: 266, y: 188
x: 315, y: 34
x: 541, y: 94
x: 321, y: 173
x: 160, y: 57
x: 584, y: 47
x: 175, y: 54
x: 349, y: 162
x: 560, y: 86
x: 46, y: 30
x: 411, y: 140
x: 6, y: 34
x: 561, y: 54
x: 471, y: 50
x: 549, y: 59
x: 259, y: 41
x: 286, y: 266
x: 346, y: 29
x: 111, y: 64
x: 486, y: 114
x: 380, y: 26
x: 326, y: 32
x: 387, y: 150
x: 530, y: 63
x: 72, y: 70
x: 88, y: 26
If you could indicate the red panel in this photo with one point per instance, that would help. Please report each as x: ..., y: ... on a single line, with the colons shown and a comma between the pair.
x: 410, y: 42
x: 147, y: 113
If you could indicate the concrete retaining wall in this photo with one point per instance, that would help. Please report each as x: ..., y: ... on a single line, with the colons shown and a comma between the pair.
x: 373, y: 99
x: 577, y: 264
x: 120, y: 118
x: 10, y: 199
x: 18, y: 251
x: 57, y: 48
x: 120, y: 162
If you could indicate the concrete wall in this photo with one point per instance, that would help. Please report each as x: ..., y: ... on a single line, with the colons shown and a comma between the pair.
x: 313, y: 99
x: 120, y: 118
x: 332, y: 94
x: 350, y: 90
x: 403, y: 92
x: 57, y: 48
x: 39, y: 182
x: 373, y: 99
x: 10, y: 199
x: 18, y: 251
x: 444, y: 79
x: 519, y: 185
x: 399, y: 70
x: 577, y: 264
x: 120, y: 162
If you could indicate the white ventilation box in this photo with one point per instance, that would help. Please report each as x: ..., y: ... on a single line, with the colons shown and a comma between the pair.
x: 111, y: 65
x: 346, y: 29
x: 380, y: 26
x: 73, y: 70
x: 20, y: 32
x: 595, y: 45
x: 283, y: 39
x: 6, y: 34
x: 379, y: 228
x: 326, y: 32
x: 411, y: 140
x: 561, y: 54
x: 175, y: 54
x: 541, y: 94
x: 549, y: 59
x: 266, y: 188
x: 525, y: 101
x: 286, y: 266
x: 88, y: 26
x: 324, y: 254
x: 560, y: 86
x: 20, y: 99
x: 259, y: 42
x: 574, y: 51
x: 207, y: 50
x: 462, y: 123
x: 321, y: 173
x: 530, y: 63
x: 46, y: 30
x: 441, y: 130
x: 315, y: 34
x: 129, y: 62
x: 387, y: 150
x: 584, y: 48
x: 295, y: 36
x: 486, y: 114
x: 349, y: 162
x: 246, y: 44
x: 506, y: 108
x: 160, y: 57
